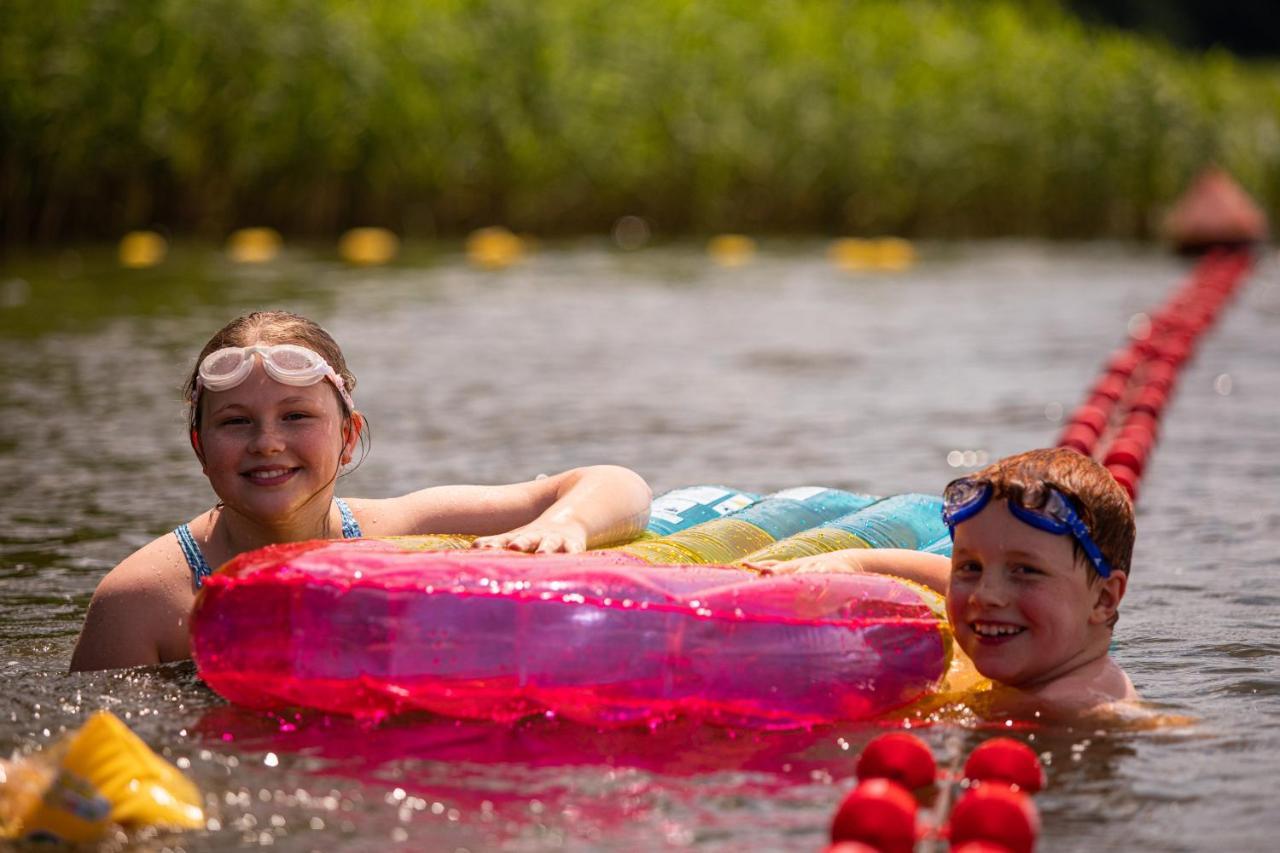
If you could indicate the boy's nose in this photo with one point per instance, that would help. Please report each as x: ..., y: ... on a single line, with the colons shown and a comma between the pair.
x: 991, y: 590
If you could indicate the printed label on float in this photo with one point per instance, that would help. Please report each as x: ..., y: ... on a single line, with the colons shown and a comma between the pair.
x: 671, y: 508
x: 800, y: 493
x: 733, y: 504
x: 694, y: 495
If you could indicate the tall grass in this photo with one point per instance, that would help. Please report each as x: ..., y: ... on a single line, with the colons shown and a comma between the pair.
x: 431, y: 116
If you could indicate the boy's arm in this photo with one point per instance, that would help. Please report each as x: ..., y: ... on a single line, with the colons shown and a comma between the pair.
x: 931, y: 570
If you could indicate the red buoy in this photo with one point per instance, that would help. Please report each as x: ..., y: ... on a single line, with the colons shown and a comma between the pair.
x: 979, y: 846
x: 878, y: 813
x: 1093, y: 416
x: 900, y: 757
x: 1003, y: 759
x: 994, y: 813
x: 850, y: 847
x: 1111, y: 386
x: 1127, y: 478
x: 1127, y: 452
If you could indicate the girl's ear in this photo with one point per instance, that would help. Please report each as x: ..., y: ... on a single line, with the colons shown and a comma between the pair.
x: 1107, y: 593
x: 351, y: 430
x: 195, y: 445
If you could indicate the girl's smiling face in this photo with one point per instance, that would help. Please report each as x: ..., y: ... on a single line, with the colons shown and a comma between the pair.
x: 1019, y: 602
x: 270, y: 449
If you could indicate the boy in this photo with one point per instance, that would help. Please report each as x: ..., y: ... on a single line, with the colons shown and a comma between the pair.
x: 1042, y: 543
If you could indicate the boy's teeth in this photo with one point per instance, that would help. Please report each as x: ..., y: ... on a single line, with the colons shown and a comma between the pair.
x: 986, y: 630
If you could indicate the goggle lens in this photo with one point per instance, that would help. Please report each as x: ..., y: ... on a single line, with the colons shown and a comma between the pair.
x: 222, y: 363
x: 293, y: 360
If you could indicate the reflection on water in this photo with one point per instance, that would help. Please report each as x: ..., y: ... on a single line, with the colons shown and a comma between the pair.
x: 784, y: 372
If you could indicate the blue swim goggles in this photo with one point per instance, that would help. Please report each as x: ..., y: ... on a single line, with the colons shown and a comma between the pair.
x: 1044, y: 508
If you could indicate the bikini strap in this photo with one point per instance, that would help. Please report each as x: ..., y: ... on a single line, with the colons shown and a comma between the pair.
x: 199, y: 568
x: 350, y: 527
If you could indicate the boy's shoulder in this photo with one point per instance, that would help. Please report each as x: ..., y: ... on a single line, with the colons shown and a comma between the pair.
x: 1100, y: 682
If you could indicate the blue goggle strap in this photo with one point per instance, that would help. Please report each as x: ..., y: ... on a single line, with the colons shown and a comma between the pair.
x: 1069, y: 523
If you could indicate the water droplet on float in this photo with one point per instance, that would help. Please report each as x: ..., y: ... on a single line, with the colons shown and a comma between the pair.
x: 271, y: 760
x: 1223, y: 384
x: 1139, y: 327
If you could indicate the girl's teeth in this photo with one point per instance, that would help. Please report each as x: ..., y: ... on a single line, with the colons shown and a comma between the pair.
x: 267, y: 475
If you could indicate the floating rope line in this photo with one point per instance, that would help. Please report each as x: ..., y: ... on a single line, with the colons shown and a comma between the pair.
x: 1119, y: 420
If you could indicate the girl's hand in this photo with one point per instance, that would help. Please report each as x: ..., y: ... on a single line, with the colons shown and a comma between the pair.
x: 539, y: 537
x: 838, y: 561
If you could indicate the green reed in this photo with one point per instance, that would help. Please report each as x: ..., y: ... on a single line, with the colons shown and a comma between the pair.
x: 922, y: 118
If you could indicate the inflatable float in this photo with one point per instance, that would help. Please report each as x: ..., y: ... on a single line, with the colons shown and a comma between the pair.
x: 657, y: 628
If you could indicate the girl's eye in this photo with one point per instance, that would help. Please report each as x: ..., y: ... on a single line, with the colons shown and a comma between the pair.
x: 297, y: 416
x: 968, y: 567
x: 237, y: 421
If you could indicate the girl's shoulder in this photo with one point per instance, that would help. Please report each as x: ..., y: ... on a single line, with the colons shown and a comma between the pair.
x: 158, y: 570
x: 139, y: 611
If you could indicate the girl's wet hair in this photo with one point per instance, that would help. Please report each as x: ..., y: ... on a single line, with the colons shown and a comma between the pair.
x: 271, y: 327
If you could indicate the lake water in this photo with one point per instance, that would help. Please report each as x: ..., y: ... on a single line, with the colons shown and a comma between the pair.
x: 785, y: 372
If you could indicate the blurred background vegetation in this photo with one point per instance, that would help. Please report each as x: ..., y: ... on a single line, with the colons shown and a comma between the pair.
x: 915, y: 117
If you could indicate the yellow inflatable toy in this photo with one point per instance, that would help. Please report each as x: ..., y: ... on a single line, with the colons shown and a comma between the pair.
x: 97, y: 778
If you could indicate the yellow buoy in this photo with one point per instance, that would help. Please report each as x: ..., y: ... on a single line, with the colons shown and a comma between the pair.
x: 142, y: 249
x: 731, y: 250
x: 254, y: 245
x: 368, y: 247
x: 852, y: 254
x: 894, y: 254
x: 494, y: 248
x: 891, y: 254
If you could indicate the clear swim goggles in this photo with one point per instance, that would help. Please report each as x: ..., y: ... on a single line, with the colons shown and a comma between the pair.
x: 289, y: 364
x: 1044, y: 508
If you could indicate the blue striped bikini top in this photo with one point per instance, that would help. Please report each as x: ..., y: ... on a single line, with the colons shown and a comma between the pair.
x: 200, y: 569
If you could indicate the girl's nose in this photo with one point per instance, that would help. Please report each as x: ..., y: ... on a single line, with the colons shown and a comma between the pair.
x: 266, y: 440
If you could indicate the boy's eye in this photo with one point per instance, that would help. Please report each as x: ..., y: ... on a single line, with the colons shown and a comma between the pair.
x: 967, y: 567
x: 1024, y: 569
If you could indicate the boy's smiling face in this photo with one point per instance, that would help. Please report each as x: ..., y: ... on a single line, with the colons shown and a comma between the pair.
x: 1020, y: 603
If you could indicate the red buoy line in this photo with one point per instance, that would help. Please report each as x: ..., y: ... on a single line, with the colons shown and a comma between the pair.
x: 992, y: 812
x: 1119, y: 420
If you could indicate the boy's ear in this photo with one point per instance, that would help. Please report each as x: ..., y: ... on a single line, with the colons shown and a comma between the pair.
x: 1107, y: 594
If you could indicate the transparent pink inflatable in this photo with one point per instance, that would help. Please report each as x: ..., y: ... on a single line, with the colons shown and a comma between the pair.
x: 365, y: 628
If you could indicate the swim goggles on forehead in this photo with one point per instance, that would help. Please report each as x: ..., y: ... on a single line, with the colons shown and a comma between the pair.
x: 1044, y: 508
x: 286, y: 363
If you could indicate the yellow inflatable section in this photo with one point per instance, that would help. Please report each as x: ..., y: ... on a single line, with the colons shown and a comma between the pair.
x: 97, y: 778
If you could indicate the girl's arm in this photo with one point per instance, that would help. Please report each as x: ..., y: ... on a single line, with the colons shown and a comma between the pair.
x: 582, y: 508
x: 931, y: 570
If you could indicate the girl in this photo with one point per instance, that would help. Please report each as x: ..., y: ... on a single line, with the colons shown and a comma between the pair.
x: 272, y: 422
